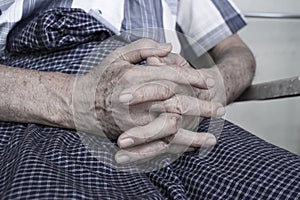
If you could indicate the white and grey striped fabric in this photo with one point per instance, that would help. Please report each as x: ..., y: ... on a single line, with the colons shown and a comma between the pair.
x: 220, y: 18
x: 41, y: 162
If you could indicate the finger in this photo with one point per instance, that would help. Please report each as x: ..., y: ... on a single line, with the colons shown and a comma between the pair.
x: 142, y: 49
x: 187, y: 105
x: 160, y: 90
x: 186, y: 138
x: 155, y: 61
x: 196, y: 78
x: 155, y: 91
x: 165, y: 125
x: 170, y: 59
x: 142, y: 152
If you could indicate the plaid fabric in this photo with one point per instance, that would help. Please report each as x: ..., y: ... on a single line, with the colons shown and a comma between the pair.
x: 40, y: 162
x: 50, y: 25
x: 13, y: 11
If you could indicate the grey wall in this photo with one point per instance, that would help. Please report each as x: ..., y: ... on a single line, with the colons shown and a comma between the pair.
x: 276, y: 46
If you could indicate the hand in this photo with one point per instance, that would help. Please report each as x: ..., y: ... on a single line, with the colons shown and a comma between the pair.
x: 167, y: 133
x: 98, y: 106
x: 95, y: 98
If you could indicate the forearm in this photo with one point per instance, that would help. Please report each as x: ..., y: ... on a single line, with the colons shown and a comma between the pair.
x: 236, y: 64
x: 31, y: 96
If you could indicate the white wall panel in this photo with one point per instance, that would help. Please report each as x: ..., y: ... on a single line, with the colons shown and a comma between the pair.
x: 276, y: 46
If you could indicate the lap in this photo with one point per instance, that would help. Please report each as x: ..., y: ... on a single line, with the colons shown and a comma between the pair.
x: 48, y: 162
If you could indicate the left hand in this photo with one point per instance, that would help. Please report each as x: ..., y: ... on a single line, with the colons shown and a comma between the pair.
x: 176, y: 106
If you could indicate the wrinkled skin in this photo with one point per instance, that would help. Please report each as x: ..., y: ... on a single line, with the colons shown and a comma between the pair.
x: 158, y: 119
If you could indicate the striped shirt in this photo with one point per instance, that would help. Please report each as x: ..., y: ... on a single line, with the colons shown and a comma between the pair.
x: 204, y: 22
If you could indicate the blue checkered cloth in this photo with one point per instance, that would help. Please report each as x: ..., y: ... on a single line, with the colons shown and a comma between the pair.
x: 41, y: 162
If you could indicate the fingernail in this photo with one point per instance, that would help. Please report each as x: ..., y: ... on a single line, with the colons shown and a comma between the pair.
x: 211, y: 141
x: 122, y: 159
x: 221, y: 111
x: 210, y: 82
x: 125, y: 98
x: 126, y: 142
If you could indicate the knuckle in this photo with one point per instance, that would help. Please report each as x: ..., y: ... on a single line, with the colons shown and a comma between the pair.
x: 173, y: 124
x: 162, y: 145
x: 139, y: 95
x: 141, y: 155
x: 200, y: 94
x: 198, y: 140
x: 145, y: 138
x: 169, y: 139
x: 174, y: 105
x: 207, y: 110
x: 163, y: 91
x: 177, y: 108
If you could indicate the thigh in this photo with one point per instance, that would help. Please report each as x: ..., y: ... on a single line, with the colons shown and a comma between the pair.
x: 241, y: 166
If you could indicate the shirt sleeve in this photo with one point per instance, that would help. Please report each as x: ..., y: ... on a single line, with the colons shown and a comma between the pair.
x: 205, y: 23
x: 11, y: 13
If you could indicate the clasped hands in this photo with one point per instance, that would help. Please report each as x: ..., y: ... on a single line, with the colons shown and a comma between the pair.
x: 151, y: 109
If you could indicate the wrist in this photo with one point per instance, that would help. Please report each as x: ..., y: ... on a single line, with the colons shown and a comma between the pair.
x: 91, y: 105
x: 56, y: 107
x: 30, y: 96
